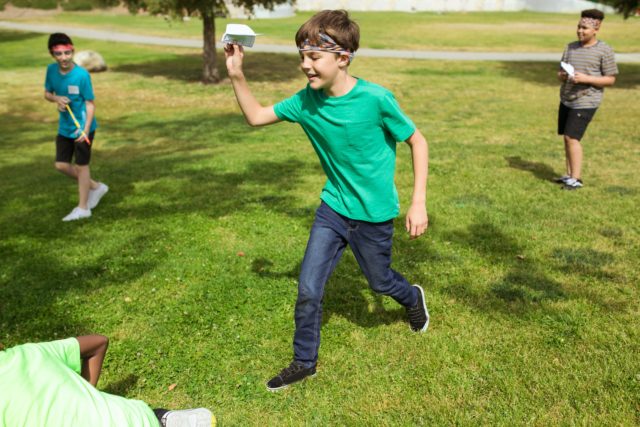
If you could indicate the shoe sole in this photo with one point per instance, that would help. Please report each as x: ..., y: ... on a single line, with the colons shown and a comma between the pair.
x: 424, y: 305
x: 66, y: 219
x: 200, y: 417
x: 276, y: 389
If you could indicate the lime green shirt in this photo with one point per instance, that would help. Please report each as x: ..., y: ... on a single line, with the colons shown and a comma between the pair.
x: 355, y: 137
x: 40, y: 386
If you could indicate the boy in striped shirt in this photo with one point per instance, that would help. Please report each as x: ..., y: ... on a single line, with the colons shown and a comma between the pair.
x: 581, y: 93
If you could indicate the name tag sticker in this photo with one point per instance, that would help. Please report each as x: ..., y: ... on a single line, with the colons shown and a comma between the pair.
x: 73, y: 90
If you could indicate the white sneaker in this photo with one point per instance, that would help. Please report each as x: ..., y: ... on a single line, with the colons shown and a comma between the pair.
x: 96, y: 195
x: 200, y: 417
x: 572, y: 184
x: 77, y: 213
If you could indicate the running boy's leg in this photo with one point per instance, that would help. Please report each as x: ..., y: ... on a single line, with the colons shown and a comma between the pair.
x: 326, y: 245
x: 65, y: 148
x: 371, y: 244
x: 324, y: 249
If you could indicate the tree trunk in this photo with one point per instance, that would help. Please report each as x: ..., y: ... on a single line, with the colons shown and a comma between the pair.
x: 210, y: 72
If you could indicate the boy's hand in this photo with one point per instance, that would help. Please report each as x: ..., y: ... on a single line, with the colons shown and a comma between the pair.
x: 62, y: 102
x: 581, y: 78
x: 234, y: 55
x: 417, y: 220
x: 563, y: 76
x: 81, y: 137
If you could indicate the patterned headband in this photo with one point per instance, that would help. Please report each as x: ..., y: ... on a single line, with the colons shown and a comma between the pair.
x: 327, y: 44
x: 590, y: 22
x: 62, y: 47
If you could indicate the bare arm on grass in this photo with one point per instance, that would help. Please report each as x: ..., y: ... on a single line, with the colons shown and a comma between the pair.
x: 92, y: 351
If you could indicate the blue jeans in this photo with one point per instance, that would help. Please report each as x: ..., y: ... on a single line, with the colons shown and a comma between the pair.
x: 371, y: 245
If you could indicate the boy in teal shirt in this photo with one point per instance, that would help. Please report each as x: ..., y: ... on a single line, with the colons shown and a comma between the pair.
x: 69, y: 86
x: 353, y: 126
x: 53, y: 384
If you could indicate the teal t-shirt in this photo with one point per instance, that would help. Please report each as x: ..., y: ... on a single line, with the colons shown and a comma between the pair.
x: 40, y: 385
x: 355, y: 137
x: 75, y: 85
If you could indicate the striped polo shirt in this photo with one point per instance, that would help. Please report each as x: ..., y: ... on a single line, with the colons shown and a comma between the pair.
x: 596, y: 60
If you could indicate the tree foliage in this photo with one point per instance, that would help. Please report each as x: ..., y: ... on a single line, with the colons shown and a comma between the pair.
x: 625, y: 7
x: 207, y: 10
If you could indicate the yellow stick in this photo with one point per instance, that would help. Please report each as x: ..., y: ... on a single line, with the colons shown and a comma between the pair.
x: 86, y: 138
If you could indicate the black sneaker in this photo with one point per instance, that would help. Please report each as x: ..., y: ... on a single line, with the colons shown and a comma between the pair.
x: 572, y: 184
x: 562, y: 179
x: 289, y: 375
x: 418, y: 314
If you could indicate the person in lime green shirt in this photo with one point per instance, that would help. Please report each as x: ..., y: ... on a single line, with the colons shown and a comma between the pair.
x: 53, y: 384
x: 354, y: 126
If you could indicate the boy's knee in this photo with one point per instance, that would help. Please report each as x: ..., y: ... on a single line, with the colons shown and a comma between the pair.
x: 62, y: 167
x: 308, y: 294
x: 381, y: 285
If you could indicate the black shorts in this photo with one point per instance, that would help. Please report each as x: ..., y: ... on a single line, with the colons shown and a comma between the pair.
x: 574, y: 122
x: 66, y: 147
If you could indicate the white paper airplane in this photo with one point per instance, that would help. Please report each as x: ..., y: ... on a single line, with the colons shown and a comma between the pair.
x: 239, y: 34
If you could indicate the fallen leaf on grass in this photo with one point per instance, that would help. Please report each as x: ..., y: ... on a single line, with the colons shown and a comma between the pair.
x: 172, y: 386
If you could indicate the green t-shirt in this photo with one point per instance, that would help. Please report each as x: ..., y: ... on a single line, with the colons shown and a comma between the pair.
x: 40, y: 386
x: 355, y: 137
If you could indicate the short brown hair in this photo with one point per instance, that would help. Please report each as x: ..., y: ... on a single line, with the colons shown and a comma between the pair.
x: 592, y: 13
x: 334, y: 23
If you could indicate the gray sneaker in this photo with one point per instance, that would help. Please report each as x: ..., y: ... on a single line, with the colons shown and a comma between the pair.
x: 418, y: 314
x: 200, y: 417
x: 96, y: 195
x: 562, y: 179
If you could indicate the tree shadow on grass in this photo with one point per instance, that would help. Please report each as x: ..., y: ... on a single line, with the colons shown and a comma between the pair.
x: 149, y: 179
x: 524, y: 285
x: 258, y: 67
x: 539, y: 170
x: 122, y: 386
x: 8, y: 36
x: 37, y: 288
x: 544, y: 73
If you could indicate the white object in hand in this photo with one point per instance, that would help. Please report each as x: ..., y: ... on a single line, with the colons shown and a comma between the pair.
x: 568, y: 68
x: 239, y: 34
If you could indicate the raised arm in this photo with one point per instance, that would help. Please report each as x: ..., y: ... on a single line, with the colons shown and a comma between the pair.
x: 92, y: 351
x: 417, y: 220
x: 254, y: 113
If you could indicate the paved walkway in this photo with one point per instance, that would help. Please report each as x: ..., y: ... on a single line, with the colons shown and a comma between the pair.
x: 271, y: 48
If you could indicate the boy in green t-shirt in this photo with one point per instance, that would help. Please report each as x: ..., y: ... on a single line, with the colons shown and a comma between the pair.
x: 53, y: 384
x: 354, y: 126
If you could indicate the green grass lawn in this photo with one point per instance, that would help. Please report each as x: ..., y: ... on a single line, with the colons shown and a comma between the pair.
x: 190, y: 262
x: 482, y: 31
